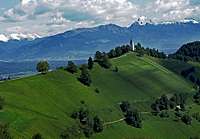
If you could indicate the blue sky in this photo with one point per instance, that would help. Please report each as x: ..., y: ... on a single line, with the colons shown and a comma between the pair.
x: 46, y: 17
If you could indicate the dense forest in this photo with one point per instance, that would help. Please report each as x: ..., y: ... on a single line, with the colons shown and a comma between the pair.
x: 188, y: 52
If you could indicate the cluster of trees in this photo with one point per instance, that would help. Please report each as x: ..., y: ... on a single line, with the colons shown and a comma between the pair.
x: 88, y: 124
x: 132, y: 116
x: 148, y: 51
x: 102, y: 59
x: 119, y: 51
x: 177, y: 102
x: 85, y: 75
x: 188, y: 52
x: 162, y: 104
x: 43, y: 67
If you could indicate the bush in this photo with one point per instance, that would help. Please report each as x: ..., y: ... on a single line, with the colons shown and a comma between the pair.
x: 43, y: 67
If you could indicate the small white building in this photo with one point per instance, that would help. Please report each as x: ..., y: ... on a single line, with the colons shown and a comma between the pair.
x: 132, y: 45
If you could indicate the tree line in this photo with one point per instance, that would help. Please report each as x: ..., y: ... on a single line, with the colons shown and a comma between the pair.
x: 148, y: 51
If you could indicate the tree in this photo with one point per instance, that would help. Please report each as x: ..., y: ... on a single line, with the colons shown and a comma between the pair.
x: 98, y: 56
x: 71, y: 67
x: 43, y: 67
x: 90, y: 63
x: 98, y: 125
x: 85, y: 76
x: 4, y: 134
x: 2, y: 102
x: 37, y: 136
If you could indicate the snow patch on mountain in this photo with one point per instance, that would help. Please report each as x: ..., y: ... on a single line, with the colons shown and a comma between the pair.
x: 3, y: 38
x: 18, y: 36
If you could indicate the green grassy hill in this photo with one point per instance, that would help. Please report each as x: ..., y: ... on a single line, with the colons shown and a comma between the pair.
x: 44, y: 103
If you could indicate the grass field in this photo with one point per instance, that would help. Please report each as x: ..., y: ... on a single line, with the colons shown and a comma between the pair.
x: 44, y: 103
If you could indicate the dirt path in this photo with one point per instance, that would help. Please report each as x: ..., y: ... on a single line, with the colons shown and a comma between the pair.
x: 113, y: 122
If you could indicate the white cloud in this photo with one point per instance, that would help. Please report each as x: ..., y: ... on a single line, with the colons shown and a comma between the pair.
x: 48, y: 16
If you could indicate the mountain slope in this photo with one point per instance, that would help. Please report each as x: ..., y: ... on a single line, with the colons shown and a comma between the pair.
x: 44, y: 103
x: 81, y: 43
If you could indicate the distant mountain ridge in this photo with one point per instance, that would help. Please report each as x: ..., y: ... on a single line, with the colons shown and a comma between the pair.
x: 83, y: 42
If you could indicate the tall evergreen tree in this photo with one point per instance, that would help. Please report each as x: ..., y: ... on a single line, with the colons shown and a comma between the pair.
x: 90, y: 63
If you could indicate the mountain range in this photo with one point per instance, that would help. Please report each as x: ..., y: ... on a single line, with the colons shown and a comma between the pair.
x: 83, y: 42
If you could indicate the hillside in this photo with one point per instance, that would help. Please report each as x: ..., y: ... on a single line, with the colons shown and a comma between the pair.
x: 188, y: 52
x: 44, y: 103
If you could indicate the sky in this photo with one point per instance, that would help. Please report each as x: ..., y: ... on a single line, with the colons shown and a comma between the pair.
x: 48, y: 17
